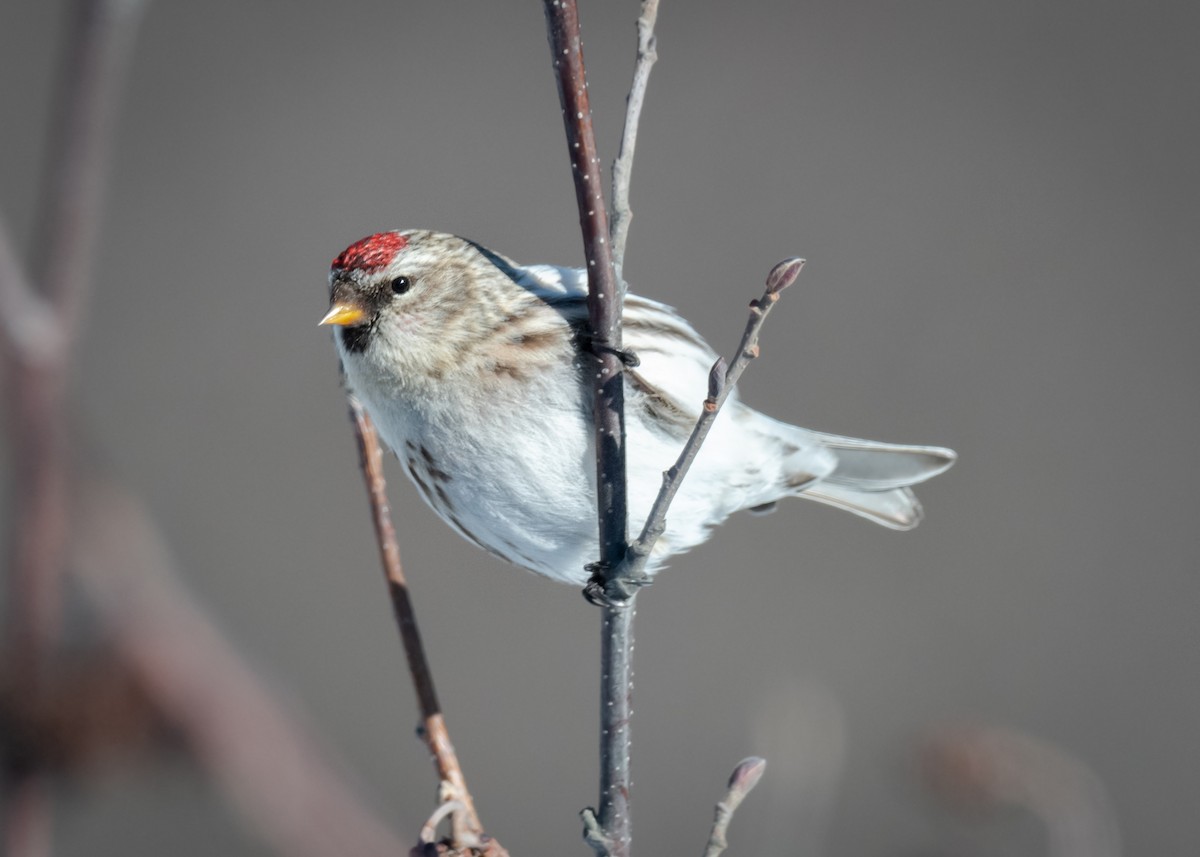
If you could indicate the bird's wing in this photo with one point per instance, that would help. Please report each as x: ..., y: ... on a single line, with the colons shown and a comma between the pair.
x: 671, y: 380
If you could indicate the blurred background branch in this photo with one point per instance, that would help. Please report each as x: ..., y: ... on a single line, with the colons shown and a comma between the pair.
x: 982, y: 767
x: 155, y: 668
x: 47, y: 307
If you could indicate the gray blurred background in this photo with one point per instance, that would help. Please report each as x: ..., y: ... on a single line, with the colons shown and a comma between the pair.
x: 999, y: 206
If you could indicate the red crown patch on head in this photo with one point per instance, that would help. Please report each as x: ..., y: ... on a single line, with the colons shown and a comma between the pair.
x: 373, y: 252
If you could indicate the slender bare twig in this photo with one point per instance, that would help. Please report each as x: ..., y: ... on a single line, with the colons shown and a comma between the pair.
x: 606, y: 297
x: 85, y: 108
x: 429, y: 828
x: 720, y: 382
x: 250, y: 743
x: 743, y: 780
x: 466, y: 829
x: 623, y: 165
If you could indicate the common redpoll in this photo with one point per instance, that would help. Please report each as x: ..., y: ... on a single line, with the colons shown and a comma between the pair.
x: 471, y: 367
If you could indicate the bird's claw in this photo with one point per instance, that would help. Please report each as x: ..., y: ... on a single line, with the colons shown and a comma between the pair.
x: 613, y: 593
x: 628, y: 358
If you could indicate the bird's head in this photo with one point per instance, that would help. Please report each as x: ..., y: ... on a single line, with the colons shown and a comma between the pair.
x: 413, y: 302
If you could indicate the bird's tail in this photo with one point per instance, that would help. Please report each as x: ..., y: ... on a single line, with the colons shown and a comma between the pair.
x: 874, y: 479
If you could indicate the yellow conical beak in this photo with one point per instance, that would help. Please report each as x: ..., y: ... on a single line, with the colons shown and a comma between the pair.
x: 344, y: 314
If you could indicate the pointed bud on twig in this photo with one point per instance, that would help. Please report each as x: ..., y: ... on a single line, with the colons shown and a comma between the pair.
x: 716, y: 384
x: 784, y: 274
x: 745, y: 777
x: 747, y: 774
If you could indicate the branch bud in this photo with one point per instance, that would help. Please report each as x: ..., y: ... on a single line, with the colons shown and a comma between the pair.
x: 716, y: 379
x: 784, y: 274
x: 746, y: 775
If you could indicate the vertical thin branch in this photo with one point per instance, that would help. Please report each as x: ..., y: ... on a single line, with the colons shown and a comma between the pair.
x: 623, y: 165
x: 95, y: 58
x: 605, y: 300
x: 466, y: 826
x: 605, y: 293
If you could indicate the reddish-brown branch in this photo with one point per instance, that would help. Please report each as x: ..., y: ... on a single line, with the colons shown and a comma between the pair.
x: 605, y: 293
x: 466, y: 826
x: 606, y: 297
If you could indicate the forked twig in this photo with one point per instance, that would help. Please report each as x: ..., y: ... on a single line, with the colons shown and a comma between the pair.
x: 464, y: 822
x: 741, y: 782
x: 720, y: 381
x: 622, y: 169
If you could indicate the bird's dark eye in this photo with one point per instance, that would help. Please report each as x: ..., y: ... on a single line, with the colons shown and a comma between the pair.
x: 400, y: 285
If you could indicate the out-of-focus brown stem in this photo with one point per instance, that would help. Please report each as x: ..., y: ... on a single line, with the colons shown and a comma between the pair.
x: 465, y: 822
x: 251, y: 744
x: 36, y: 365
x: 981, y: 765
x: 95, y: 57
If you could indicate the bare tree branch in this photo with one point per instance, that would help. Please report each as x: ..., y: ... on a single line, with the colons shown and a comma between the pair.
x: 743, y: 780
x: 606, y: 294
x: 466, y: 828
x: 623, y: 165
x: 606, y: 297
x: 720, y: 382
x: 248, y: 742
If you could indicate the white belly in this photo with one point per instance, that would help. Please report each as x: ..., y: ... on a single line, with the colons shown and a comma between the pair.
x: 515, y: 480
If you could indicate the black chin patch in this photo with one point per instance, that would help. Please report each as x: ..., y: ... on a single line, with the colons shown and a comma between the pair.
x: 356, y: 339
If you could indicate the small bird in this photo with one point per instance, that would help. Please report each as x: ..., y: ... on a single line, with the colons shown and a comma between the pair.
x: 474, y: 370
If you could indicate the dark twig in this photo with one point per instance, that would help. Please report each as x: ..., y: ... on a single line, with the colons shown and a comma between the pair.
x: 250, y: 743
x: 720, y: 382
x: 465, y: 822
x: 40, y: 332
x: 623, y: 165
x: 605, y: 294
x: 606, y: 297
x: 743, y: 780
